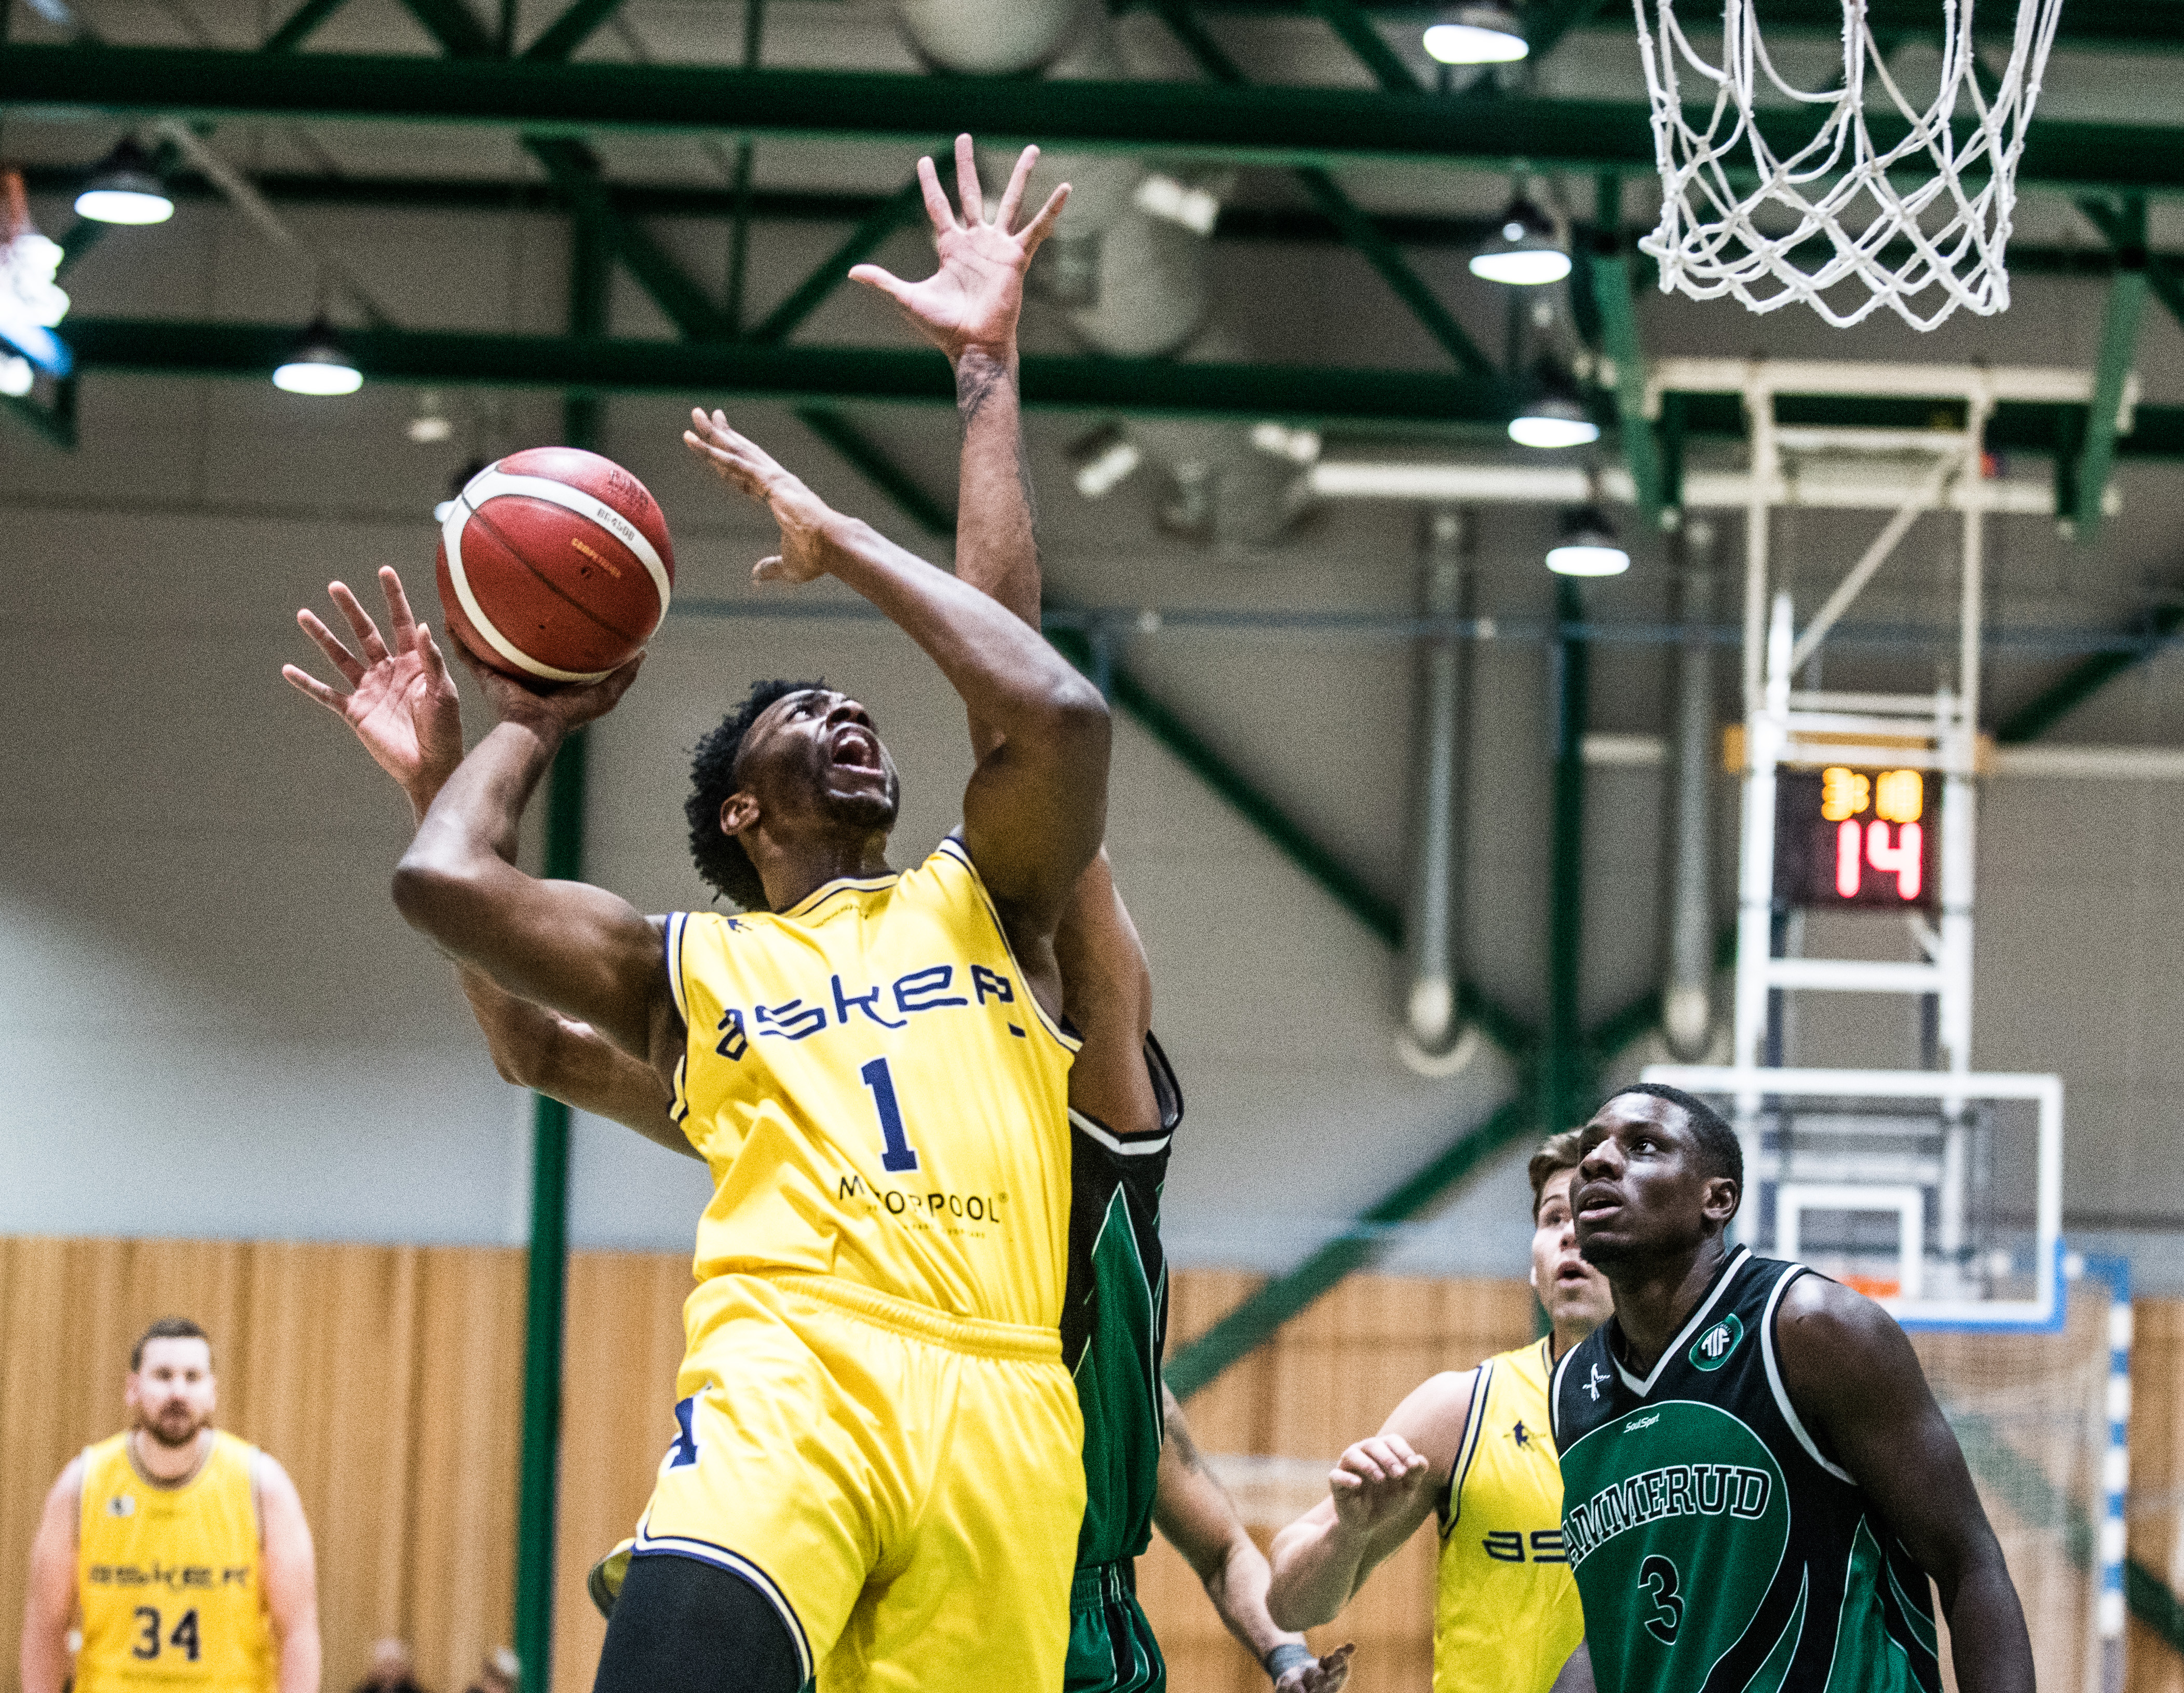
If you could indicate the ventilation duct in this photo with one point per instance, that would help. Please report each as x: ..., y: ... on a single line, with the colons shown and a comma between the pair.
x: 1434, y: 1040
x: 1687, y: 995
x: 990, y: 38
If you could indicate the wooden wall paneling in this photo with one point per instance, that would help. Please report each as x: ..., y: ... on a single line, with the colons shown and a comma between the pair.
x: 623, y: 1342
x: 470, y: 1425
x: 331, y: 1342
x: 2155, y: 1523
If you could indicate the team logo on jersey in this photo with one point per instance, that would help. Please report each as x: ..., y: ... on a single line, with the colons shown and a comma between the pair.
x: 1520, y: 1434
x: 122, y: 1505
x: 1711, y: 1350
x: 1594, y: 1379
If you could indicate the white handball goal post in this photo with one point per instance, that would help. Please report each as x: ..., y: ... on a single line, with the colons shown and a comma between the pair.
x: 1885, y: 200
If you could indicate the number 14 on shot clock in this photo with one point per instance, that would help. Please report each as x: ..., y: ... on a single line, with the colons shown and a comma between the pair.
x: 1857, y: 840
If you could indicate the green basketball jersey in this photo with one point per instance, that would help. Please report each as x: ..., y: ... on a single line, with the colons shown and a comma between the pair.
x: 1716, y: 1547
x: 1114, y: 1317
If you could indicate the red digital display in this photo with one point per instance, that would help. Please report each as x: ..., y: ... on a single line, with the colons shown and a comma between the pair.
x: 1862, y: 839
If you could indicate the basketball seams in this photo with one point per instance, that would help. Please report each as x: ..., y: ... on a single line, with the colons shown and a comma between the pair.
x: 507, y: 543
x: 551, y: 488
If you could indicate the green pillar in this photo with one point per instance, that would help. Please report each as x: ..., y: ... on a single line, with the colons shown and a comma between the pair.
x: 1564, y: 1079
x: 548, y: 1272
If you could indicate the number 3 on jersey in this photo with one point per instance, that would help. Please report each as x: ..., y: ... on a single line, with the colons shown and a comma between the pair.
x: 1657, y: 1576
x: 896, y: 1156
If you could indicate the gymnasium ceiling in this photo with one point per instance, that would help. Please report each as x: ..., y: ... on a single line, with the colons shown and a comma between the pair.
x: 402, y: 146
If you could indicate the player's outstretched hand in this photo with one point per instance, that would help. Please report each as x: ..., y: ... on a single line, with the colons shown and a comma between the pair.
x: 563, y: 707
x: 1375, y: 1479
x: 402, y: 703
x: 973, y: 300
x: 744, y: 465
x: 1321, y: 1675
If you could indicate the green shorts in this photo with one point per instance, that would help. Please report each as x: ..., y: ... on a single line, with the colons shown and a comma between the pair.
x: 1112, y: 1649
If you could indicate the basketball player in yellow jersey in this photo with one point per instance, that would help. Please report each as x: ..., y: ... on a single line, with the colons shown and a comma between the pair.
x: 878, y: 1475
x: 183, y: 1550
x: 1472, y: 1448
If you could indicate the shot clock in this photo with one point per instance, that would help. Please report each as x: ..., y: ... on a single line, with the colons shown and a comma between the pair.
x: 1857, y: 840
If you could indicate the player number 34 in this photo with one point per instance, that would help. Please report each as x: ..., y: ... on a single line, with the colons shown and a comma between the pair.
x: 150, y: 1639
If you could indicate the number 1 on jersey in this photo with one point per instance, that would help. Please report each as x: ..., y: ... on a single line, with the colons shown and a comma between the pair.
x: 897, y: 1156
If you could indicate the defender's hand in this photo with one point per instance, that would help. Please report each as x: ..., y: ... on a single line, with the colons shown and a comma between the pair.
x: 402, y: 703
x: 743, y: 464
x: 973, y: 300
x: 1375, y: 1479
x: 1322, y: 1675
x: 566, y: 706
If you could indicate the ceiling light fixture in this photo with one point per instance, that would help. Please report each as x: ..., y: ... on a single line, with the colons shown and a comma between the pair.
x: 1588, y: 547
x: 1194, y: 208
x: 1102, y: 461
x: 125, y: 190
x: 318, y: 366
x: 1524, y: 252
x: 430, y: 423
x: 1553, y: 415
x: 1486, y: 34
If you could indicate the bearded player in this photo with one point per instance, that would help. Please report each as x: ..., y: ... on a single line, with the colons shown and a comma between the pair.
x: 1124, y: 1105
x: 1471, y: 1449
x: 1759, y: 1491
x: 183, y: 1550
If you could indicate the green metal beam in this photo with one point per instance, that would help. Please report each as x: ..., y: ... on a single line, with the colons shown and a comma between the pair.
x: 2126, y: 303
x: 1610, y: 271
x: 1362, y: 38
x: 575, y: 174
x: 2153, y: 1603
x: 1547, y: 21
x: 1353, y: 226
x: 801, y: 375
x: 301, y: 23
x: 558, y: 41
x: 546, y: 1283
x: 870, y: 461
x: 863, y: 241
x: 1270, y: 126
x: 2083, y: 680
x: 1253, y: 1321
x: 55, y: 423
x: 1360, y: 231
x: 451, y: 23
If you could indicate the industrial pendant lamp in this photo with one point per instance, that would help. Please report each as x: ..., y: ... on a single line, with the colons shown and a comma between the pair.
x: 1588, y: 547
x: 124, y: 190
x: 318, y: 365
x: 1523, y: 253
x: 1553, y: 414
x: 1484, y: 34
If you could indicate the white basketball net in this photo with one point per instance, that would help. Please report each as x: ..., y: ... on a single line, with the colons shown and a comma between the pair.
x: 1937, y: 231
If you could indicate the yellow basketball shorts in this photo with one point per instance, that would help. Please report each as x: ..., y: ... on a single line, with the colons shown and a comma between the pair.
x: 904, y: 1485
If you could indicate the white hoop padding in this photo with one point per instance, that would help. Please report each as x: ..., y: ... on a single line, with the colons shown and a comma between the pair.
x: 1951, y: 224
x: 491, y: 483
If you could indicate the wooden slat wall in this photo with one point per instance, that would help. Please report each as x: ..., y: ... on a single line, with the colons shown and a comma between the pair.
x: 1329, y: 1377
x: 388, y: 1381
x: 2156, y: 1540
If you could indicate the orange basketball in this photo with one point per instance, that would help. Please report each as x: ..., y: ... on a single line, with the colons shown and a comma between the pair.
x: 555, y: 565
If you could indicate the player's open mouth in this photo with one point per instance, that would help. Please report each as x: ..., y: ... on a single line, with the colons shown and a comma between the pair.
x: 1597, y: 1202
x: 1570, y: 1270
x: 855, y: 748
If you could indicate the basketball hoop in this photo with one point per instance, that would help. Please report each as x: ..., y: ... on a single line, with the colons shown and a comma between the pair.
x: 1947, y: 231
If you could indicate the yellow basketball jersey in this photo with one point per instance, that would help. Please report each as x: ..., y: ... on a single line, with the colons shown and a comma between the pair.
x: 170, y: 1578
x: 1506, y: 1613
x: 877, y: 1096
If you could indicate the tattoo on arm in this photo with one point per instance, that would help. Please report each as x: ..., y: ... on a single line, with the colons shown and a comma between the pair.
x: 975, y: 379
